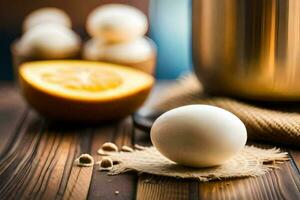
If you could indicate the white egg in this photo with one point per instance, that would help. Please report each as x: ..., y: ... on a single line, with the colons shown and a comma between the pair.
x: 49, y: 41
x: 117, y: 23
x: 94, y: 49
x: 46, y: 15
x: 133, y: 51
x: 198, y: 135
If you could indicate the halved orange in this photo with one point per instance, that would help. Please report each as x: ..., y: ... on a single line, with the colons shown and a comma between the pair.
x: 83, y: 90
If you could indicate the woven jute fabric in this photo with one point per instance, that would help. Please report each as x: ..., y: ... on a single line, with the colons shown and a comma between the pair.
x: 250, y: 161
x: 262, y: 124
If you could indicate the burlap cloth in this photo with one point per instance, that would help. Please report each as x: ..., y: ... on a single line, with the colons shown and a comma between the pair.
x: 277, y: 127
x: 262, y: 125
x: 250, y: 161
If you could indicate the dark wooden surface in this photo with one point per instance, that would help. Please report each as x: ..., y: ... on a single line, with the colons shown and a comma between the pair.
x: 36, y: 162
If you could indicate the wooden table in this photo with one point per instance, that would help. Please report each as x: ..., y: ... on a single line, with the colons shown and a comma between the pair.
x: 36, y: 161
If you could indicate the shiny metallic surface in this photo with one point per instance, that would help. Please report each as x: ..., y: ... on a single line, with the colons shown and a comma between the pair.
x: 248, y: 48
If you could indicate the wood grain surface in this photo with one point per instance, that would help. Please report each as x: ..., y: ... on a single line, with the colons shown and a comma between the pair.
x: 37, y: 162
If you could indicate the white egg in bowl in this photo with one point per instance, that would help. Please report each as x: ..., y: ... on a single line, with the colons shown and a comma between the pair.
x: 198, y: 135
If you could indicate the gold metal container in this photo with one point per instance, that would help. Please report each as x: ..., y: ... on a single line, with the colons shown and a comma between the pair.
x: 248, y: 48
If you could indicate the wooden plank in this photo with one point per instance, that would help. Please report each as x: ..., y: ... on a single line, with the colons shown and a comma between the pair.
x: 121, y: 186
x: 46, y: 178
x: 159, y: 187
x: 162, y: 188
x: 283, y: 183
x: 78, y: 181
x: 48, y: 163
x: 12, y: 113
x: 40, y: 163
x: 295, y: 156
x: 79, y: 177
x: 15, y: 165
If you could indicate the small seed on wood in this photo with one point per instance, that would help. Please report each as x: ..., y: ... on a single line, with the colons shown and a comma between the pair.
x: 117, y: 192
x: 139, y: 147
x: 109, y: 146
x: 126, y: 149
x: 102, y: 153
x: 106, y: 148
x: 106, y: 164
x: 85, y: 160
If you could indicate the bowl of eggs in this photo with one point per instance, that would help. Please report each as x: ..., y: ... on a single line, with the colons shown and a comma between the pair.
x: 117, y: 35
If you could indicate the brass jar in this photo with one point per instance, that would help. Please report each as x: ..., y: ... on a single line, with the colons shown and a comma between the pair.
x: 248, y: 48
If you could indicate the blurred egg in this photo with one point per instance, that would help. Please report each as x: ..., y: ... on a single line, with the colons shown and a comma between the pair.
x: 133, y: 51
x: 46, y: 15
x: 49, y: 41
x: 94, y: 49
x: 117, y: 23
x: 198, y: 135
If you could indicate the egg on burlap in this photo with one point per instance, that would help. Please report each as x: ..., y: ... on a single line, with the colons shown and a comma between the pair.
x: 198, y: 135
